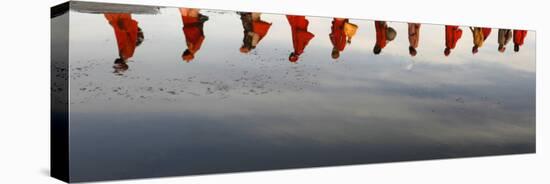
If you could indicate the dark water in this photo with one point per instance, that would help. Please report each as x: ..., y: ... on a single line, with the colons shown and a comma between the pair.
x: 227, y: 111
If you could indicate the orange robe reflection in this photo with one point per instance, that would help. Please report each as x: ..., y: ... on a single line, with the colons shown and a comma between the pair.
x: 519, y: 37
x: 452, y: 35
x: 193, y: 23
x: 126, y: 33
x: 300, y: 35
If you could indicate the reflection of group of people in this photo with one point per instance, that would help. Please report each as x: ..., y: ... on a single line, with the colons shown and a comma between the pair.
x: 129, y: 35
x: 480, y: 34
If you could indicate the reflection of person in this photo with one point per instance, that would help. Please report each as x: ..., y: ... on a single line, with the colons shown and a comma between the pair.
x: 128, y: 36
x: 193, y: 23
x: 519, y: 37
x: 338, y: 36
x: 504, y: 36
x: 254, y: 30
x: 452, y: 35
x: 384, y: 34
x: 300, y: 35
x: 414, y: 37
x: 480, y: 35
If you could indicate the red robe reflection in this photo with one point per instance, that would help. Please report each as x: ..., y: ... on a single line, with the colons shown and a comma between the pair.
x: 519, y: 37
x: 126, y: 33
x: 381, y: 37
x: 452, y: 35
x: 337, y: 35
x: 300, y: 35
x: 261, y: 28
x: 486, y: 32
x: 255, y: 29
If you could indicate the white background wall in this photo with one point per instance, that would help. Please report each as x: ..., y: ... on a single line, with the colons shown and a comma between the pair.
x: 24, y: 94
